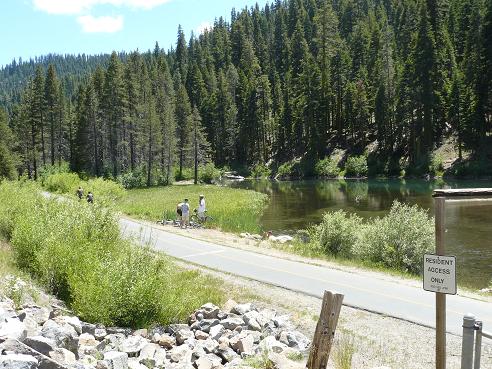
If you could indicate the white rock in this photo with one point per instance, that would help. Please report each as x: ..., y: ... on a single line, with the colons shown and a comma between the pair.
x: 86, y: 339
x: 63, y: 356
x: 100, y: 333
x: 64, y: 335
x: 133, y: 345
x: 17, y: 361
x: 180, y: 354
x: 216, y: 331
x: 270, y: 344
x: 245, y: 345
x: 209, y: 346
x: 229, y: 305
x: 13, y: 328
x: 71, y: 320
x: 148, y: 351
x: 242, y: 309
x: 116, y: 360
x: 134, y: 364
x: 166, y: 341
x: 294, y: 339
x: 182, y: 335
x: 39, y: 314
x: 200, y: 335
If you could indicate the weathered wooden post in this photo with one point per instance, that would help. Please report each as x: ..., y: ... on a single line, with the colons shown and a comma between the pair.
x: 325, y: 331
x: 440, y: 297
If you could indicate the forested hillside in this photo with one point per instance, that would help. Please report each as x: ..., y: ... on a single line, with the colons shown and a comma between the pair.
x: 292, y: 80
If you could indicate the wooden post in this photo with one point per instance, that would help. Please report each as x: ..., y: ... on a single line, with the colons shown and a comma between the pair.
x: 440, y: 297
x: 325, y: 331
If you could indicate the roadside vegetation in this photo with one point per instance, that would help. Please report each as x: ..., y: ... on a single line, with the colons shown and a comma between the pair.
x: 233, y: 210
x: 75, y: 251
x: 395, y: 242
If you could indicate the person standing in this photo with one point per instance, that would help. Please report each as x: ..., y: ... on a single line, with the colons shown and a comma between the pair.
x: 185, y: 214
x: 179, y: 212
x: 201, y: 208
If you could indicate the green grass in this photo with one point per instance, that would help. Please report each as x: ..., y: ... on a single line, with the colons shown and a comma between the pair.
x: 233, y: 210
x: 75, y: 251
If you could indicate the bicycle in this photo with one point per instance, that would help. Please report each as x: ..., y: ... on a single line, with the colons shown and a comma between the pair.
x: 199, y: 222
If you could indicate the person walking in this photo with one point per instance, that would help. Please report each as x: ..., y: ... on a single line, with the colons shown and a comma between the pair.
x: 201, y: 208
x: 90, y: 198
x: 185, y: 214
x: 80, y: 193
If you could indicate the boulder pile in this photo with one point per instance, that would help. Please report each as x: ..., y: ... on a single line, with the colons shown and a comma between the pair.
x: 36, y: 337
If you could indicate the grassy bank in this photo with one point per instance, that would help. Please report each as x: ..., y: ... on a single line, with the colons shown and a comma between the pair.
x: 233, y: 210
x: 75, y: 251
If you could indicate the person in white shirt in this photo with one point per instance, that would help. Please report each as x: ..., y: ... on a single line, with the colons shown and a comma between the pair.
x: 185, y: 214
x: 201, y: 207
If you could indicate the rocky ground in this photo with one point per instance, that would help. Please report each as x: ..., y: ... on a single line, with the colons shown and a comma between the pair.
x: 237, y: 335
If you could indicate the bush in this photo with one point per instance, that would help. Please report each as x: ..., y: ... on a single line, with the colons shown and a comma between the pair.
x: 104, y: 189
x: 62, y: 182
x: 398, y: 240
x: 327, y: 168
x: 261, y: 171
x: 338, y: 233
x: 48, y: 170
x: 132, y: 180
x: 75, y: 250
x: 436, y: 165
x: 356, y: 166
x: 208, y: 173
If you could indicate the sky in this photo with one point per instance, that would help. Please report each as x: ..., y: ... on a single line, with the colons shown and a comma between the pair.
x: 30, y: 28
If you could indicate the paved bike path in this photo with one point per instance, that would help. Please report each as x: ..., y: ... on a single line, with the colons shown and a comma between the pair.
x: 362, y: 291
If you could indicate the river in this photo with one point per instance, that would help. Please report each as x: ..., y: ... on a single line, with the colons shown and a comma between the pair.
x: 298, y: 204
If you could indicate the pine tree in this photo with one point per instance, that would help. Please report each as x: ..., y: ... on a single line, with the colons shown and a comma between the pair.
x: 7, y: 159
x: 183, y: 126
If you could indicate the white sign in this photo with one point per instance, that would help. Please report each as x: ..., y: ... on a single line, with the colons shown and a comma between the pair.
x: 440, y: 273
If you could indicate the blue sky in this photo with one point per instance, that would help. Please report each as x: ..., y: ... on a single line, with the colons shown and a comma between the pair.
x: 31, y: 28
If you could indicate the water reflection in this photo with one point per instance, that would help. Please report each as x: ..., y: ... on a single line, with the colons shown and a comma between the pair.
x: 297, y: 204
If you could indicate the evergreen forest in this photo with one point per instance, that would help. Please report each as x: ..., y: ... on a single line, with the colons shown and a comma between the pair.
x: 290, y: 81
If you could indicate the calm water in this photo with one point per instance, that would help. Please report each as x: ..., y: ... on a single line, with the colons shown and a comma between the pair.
x: 297, y: 204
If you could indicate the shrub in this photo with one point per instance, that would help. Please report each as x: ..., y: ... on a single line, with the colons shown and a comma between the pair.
x: 132, y: 180
x: 261, y: 171
x: 436, y: 165
x: 75, y: 250
x: 356, y: 166
x: 48, y: 170
x: 208, y: 173
x: 399, y: 239
x: 105, y: 189
x: 327, y: 168
x: 62, y: 182
x: 338, y: 233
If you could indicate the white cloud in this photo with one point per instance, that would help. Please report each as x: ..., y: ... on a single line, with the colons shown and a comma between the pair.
x: 203, y: 26
x: 104, y: 24
x: 82, y: 6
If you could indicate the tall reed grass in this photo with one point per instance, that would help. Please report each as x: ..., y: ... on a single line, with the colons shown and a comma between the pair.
x: 232, y: 210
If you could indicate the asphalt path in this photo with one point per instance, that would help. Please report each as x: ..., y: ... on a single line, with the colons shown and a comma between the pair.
x: 374, y: 294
